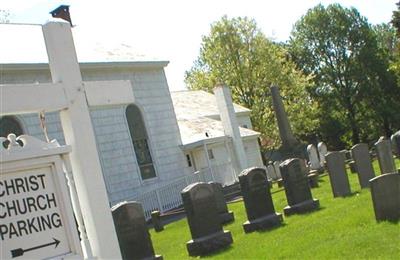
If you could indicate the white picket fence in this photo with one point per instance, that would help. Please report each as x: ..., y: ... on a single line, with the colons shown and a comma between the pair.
x: 168, y: 196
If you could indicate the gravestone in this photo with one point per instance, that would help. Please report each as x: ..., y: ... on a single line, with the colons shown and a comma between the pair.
x: 347, y: 155
x: 204, y: 223
x: 156, y: 220
x: 225, y: 215
x: 385, y: 156
x: 335, y: 162
x: 258, y: 201
x: 277, y: 169
x: 322, y: 151
x: 353, y: 166
x: 313, y: 179
x: 271, y: 172
x: 297, y: 189
x: 395, y: 138
x: 362, y: 159
x: 313, y: 157
x: 133, y: 236
x: 385, y: 192
x: 349, y: 160
x: 290, y: 147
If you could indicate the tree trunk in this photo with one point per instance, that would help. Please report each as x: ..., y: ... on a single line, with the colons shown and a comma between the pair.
x: 386, y: 127
x: 351, y: 115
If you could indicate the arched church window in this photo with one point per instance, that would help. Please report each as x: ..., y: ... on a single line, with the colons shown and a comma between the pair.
x: 8, y: 125
x: 140, y: 142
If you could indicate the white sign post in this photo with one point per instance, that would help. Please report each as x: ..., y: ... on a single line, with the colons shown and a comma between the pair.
x: 71, y: 97
x: 36, y: 216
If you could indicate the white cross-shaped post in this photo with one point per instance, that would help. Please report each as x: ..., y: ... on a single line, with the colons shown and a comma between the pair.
x: 72, y: 97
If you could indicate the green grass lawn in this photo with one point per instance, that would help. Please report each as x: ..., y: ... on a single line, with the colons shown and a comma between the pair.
x: 344, y: 228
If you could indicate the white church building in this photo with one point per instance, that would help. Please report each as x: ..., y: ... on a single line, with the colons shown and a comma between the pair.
x: 149, y: 149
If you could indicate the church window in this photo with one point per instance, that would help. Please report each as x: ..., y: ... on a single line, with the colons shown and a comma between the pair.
x: 140, y: 142
x: 189, y: 160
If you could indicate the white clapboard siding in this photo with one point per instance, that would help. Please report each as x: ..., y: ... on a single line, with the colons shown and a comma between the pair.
x: 115, y: 148
x: 253, y: 152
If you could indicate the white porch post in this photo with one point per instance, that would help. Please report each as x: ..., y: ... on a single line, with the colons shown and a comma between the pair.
x: 229, y: 122
x: 228, y: 152
x: 78, y: 132
x: 208, y: 161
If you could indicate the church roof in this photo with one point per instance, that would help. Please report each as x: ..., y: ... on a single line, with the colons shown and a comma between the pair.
x: 198, y: 103
x: 24, y: 44
x: 198, y: 118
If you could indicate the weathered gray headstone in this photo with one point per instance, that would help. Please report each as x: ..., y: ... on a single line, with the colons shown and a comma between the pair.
x: 313, y: 157
x: 347, y: 155
x: 337, y: 174
x: 258, y: 201
x: 362, y: 159
x: 133, y: 235
x: 297, y: 189
x: 313, y: 179
x: 395, y: 138
x: 156, y: 220
x: 353, y: 166
x: 204, y: 223
x: 271, y: 172
x: 290, y: 147
x: 277, y: 169
x: 225, y: 215
x: 385, y: 156
x: 322, y: 151
x: 385, y: 192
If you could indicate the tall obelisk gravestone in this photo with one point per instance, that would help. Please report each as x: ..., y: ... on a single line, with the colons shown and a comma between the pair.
x: 291, y: 147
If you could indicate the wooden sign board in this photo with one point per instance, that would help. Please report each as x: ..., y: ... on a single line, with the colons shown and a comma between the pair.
x: 37, y: 219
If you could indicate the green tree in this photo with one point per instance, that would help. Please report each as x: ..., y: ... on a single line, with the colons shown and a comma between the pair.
x: 387, y: 89
x: 339, y: 48
x: 237, y: 53
x: 396, y: 19
x: 395, y: 65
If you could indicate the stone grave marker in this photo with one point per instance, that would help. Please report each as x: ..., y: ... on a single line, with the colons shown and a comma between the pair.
x: 313, y: 179
x: 297, y: 189
x: 322, y: 151
x: 277, y: 169
x: 362, y: 159
x: 258, y: 201
x: 337, y: 174
x: 313, y: 157
x: 271, y: 172
x: 156, y: 220
x: 395, y: 138
x: 349, y: 160
x: 385, y: 156
x: 225, y: 215
x: 133, y: 235
x: 353, y: 166
x: 385, y: 192
x: 204, y: 223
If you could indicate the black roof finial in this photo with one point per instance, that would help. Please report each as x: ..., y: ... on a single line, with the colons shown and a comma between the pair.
x: 62, y: 12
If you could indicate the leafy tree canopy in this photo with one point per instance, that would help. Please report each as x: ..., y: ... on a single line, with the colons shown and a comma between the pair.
x: 340, y: 49
x: 238, y: 54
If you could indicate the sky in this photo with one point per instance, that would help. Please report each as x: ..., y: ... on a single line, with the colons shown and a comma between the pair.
x: 172, y: 29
